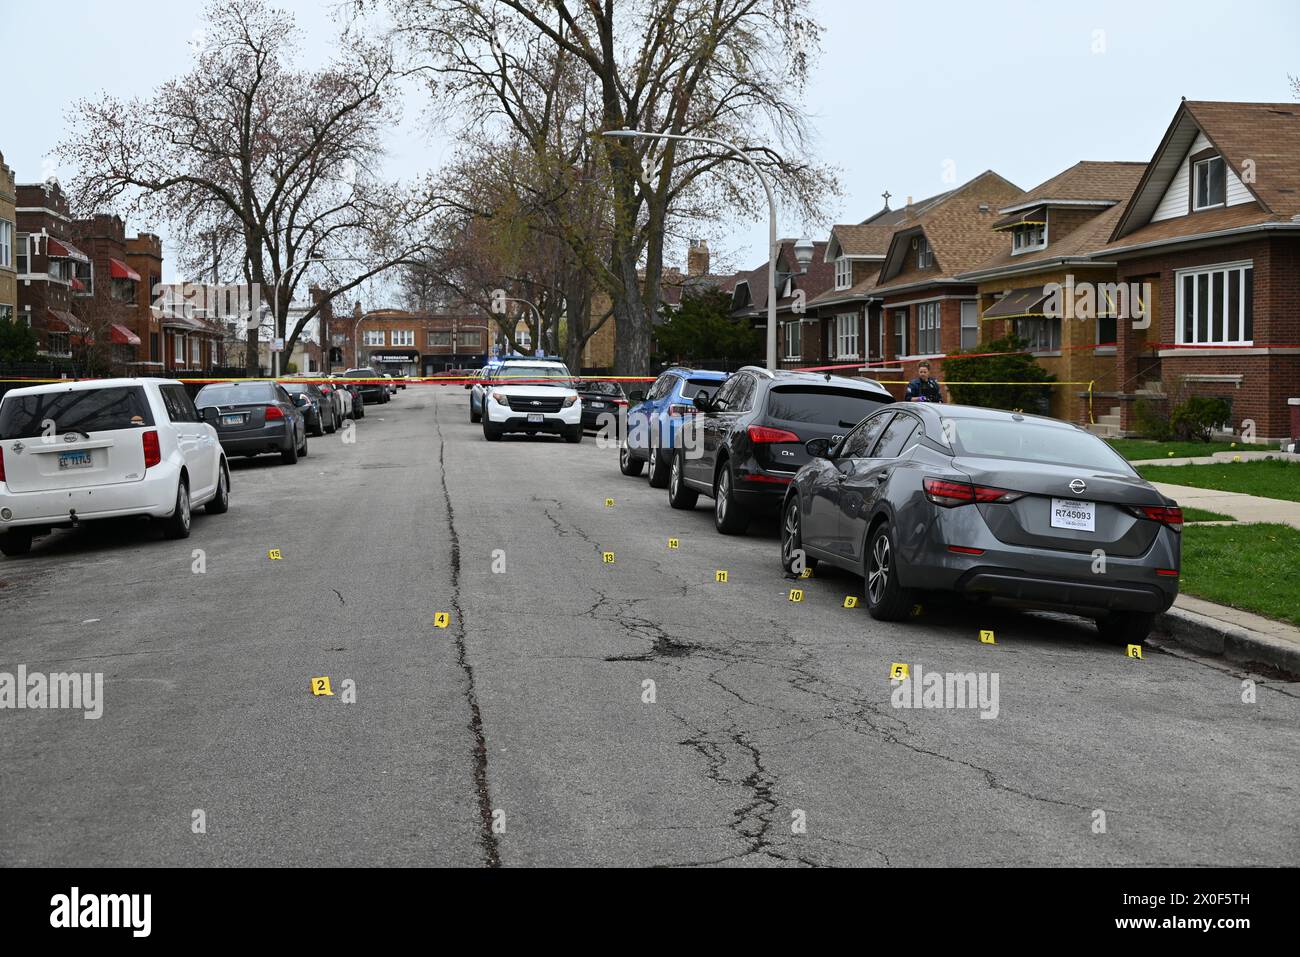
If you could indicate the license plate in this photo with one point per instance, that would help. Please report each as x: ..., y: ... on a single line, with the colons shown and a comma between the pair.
x: 1074, y: 515
x: 536, y: 417
x: 239, y: 419
x: 74, y: 460
x: 596, y: 405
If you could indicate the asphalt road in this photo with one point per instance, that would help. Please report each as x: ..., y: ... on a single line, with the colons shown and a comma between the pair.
x: 522, y: 733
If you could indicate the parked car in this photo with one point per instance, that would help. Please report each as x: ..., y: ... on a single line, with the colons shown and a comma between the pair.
x: 255, y: 417
x: 532, y: 396
x: 478, y: 388
x: 352, y: 392
x: 992, y: 505
x: 654, y: 420
x: 72, y: 452
x: 370, y: 384
x: 599, y: 397
x: 392, y: 383
x: 340, y: 399
x: 751, y: 437
x: 317, y: 409
x: 400, y: 380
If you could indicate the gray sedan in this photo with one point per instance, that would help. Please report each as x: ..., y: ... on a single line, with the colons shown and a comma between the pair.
x: 254, y: 417
x: 992, y: 505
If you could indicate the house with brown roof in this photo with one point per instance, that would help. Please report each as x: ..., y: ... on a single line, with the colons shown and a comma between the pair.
x: 799, y: 332
x: 1214, y: 227
x: 928, y: 311
x: 1048, y: 237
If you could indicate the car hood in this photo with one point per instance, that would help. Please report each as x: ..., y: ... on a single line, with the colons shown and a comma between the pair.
x: 533, y: 389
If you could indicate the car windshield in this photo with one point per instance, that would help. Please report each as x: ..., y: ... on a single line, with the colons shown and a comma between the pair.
x: 79, y: 410
x: 1028, y: 440
x: 235, y: 393
x: 553, y: 374
x: 823, y: 404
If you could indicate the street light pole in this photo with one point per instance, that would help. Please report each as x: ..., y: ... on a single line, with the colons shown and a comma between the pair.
x: 771, y: 217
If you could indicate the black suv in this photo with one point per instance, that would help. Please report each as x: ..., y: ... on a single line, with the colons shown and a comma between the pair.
x: 749, y: 439
x: 374, y: 388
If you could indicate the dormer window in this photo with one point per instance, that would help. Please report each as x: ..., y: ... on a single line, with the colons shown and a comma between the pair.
x: 924, y: 255
x: 1209, y: 185
x: 843, y: 273
x: 1027, y: 237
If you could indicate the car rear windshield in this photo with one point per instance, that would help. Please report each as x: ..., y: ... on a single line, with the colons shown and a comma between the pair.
x: 694, y: 387
x: 1009, y: 439
x: 235, y: 393
x: 81, y: 410
x: 827, y: 405
x: 602, y: 388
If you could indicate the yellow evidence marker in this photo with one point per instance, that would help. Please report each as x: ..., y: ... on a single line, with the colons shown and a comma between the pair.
x: 274, y: 555
x: 806, y: 573
x: 899, y: 671
x: 720, y: 576
x: 672, y: 543
x: 609, y: 503
x: 796, y: 594
x: 321, y: 686
x: 850, y: 601
x: 986, y: 638
x: 607, y: 557
x: 1134, y: 651
x: 441, y: 619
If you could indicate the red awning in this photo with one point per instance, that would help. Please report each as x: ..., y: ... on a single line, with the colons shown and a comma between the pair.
x: 122, y: 335
x: 78, y: 285
x: 62, y: 249
x: 60, y: 321
x: 120, y: 270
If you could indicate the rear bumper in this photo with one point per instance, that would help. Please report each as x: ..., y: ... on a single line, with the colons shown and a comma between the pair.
x: 1019, y: 586
x: 252, y: 443
x: 154, y: 495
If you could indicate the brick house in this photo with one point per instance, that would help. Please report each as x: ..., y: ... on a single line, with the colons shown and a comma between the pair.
x: 407, y: 343
x: 928, y: 311
x: 8, y: 243
x: 1214, y: 227
x: 144, y: 255
x: 106, y: 291
x: 800, y: 334
x: 1048, y: 236
x: 47, y: 261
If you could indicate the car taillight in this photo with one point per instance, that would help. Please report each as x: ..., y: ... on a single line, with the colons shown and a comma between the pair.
x: 951, y: 494
x: 152, y: 450
x: 1171, y: 515
x: 761, y: 435
x: 686, y: 410
x: 273, y: 412
x: 2, y: 465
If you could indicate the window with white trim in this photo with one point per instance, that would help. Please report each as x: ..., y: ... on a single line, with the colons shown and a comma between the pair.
x: 6, y: 312
x: 6, y: 243
x: 970, y: 325
x: 195, y: 359
x: 1208, y: 183
x: 900, y: 332
x: 403, y: 337
x: 924, y: 255
x: 927, y: 329
x: 843, y: 273
x: 24, y: 257
x: 793, y: 340
x: 179, y: 352
x: 59, y: 343
x: 1027, y: 237
x: 374, y: 337
x: 471, y: 340
x: 1042, y: 333
x: 846, y: 336
x: 439, y: 339
x: 1216, y: 305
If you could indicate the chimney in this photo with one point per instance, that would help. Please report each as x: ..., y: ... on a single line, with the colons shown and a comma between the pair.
x: 697, y: 258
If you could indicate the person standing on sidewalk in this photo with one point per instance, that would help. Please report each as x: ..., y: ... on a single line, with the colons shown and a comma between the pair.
x: 923, y: 388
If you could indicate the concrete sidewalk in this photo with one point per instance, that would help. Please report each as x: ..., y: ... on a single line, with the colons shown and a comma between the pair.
x: 1243, y: 508
x: 1217, y: 458
x: 1236, y: 635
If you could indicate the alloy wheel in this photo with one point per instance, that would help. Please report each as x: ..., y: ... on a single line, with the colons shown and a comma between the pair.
x: 724, y: 490
x: 790, y: 534
x: 878, y: 576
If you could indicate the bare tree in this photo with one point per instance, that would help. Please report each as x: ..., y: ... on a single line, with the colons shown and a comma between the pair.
x: 731, y: 69
x: 272, y: 164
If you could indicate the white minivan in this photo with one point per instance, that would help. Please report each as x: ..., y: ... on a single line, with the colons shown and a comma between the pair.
x: 72, y: 452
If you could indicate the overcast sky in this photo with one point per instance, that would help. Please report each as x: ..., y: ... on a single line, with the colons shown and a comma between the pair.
x: 902, y: 91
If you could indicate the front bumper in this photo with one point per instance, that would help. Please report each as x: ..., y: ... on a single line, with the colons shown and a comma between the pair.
x: 153, y: 495
x: 507, y: 420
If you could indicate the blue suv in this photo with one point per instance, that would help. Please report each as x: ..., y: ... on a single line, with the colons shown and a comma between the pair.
x: 653, y: 423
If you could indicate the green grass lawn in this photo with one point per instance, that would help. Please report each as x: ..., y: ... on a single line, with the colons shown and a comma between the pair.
x: 1273, y: 478
x: 1252, y: 567
x: 1204, y: 515
x: 1137, y: 449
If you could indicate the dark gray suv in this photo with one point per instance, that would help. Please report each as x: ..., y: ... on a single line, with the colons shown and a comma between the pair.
x: 993, y: 505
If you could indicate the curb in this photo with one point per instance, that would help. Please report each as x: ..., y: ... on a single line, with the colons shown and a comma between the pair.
x: 1232, y: 642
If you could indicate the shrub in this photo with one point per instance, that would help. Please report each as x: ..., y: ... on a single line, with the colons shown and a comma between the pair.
x: 1012, y: 365
x: 1199, y: 416
x: 1152, y: 420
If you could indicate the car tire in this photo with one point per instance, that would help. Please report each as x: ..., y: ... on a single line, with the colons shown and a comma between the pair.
x: 334, y: 423
x: 360, y: 412
x: 679, y: 496
x: 177, y: 524
x: 474, y: 416
x: 1125, y: 627
x: 628, y: 463
x: 887, y: 600
x: 729, y: 516
x: 792, y: 536
x: 319, y: 429
x: 302, y: 452
x: 574, y: 434
x: 16, y: 543
x: 657, y: 469
x: 491, y: 432
x: 220, y: 502
x: 289, y: 456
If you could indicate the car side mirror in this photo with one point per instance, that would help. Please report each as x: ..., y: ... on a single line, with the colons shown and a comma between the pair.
x: 818, y: 448
x: 636, y: 395
x: 209, y: 414
x: 701, y: 401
